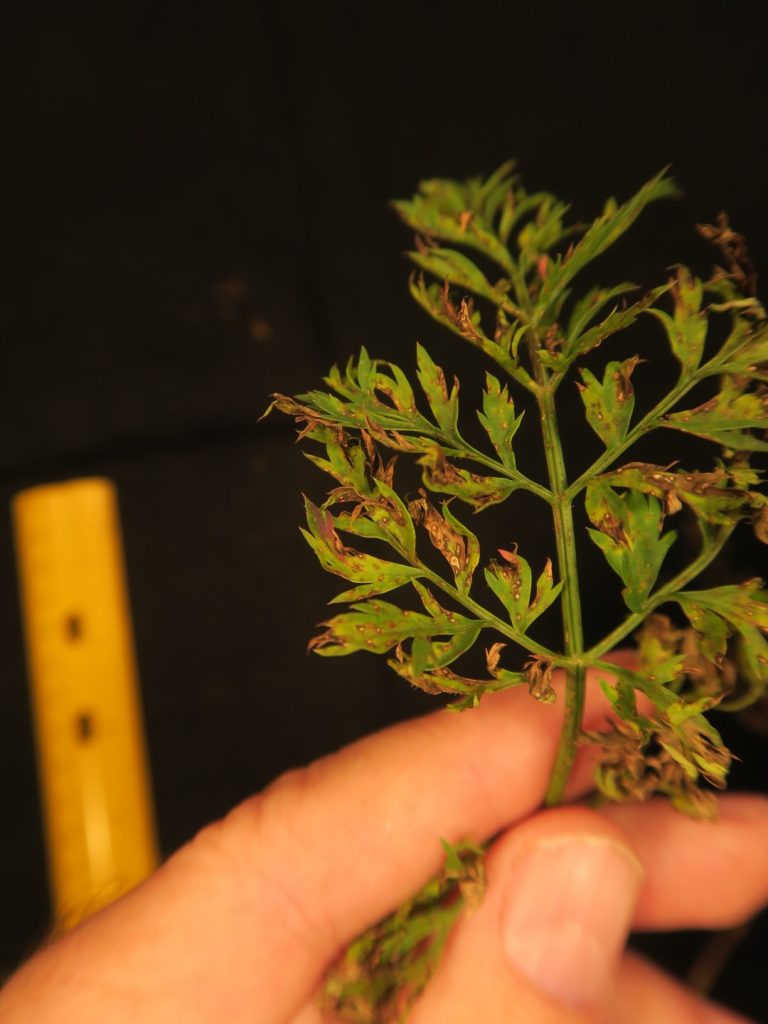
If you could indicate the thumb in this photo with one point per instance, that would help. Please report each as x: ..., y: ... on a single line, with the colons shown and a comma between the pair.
x: 545, y: 942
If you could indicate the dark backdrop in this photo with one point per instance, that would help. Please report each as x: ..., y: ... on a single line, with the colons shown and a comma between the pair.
x: 195, y: 215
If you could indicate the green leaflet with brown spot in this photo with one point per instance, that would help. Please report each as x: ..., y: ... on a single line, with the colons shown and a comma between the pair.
x: 456, y: 268
x: 499, y: 420
x: 745, y: 350
x: 580, y: 339
x: 373, y: 575
x: 609, y: 403
x: 381, y: 514
x: 378, y: 626
x: 629, y: 535
x: 476, y: 490
x: 444, y: 404
x: 464, y: 212
x: 465, y: 321
x: 587, y: 308
x: 728, y: 418
x: 716, y: 496
x: 686, y: 329
x: 721, y: 612
x: 511, y: 581
x: 457, y: 544
x: 346, y: 459
x: 543, y: 232
x: 466, y: 572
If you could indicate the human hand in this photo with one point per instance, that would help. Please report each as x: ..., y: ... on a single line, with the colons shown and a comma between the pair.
x: 242, y: 923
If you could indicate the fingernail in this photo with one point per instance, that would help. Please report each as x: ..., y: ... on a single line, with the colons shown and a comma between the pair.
x: 566, y: 914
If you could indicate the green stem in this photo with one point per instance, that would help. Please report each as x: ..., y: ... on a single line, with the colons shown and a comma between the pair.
x: 565, y: 541
x: 707, y: 555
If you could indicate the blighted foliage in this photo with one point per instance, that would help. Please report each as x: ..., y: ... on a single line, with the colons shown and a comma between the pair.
x: 384, y: 970
x: 517, y: 305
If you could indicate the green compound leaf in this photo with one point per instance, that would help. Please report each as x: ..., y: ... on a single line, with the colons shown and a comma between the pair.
x: 382, y: 516
x: 727, y: 418
x: 376, y: 575
x: 385, y: 969
x: 347, y: 460
x: 602, y: 234
x: 499, y: 420
x: 629, y: 535
x: 464, y: 212
x: 687, y: 328
x: 511, y: 581
x: 609, y: 403
x: 378, y: 627
x: 476, y: 490
x: 721, y: 612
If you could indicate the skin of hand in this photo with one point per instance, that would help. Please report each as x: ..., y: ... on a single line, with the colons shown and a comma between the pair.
x: 241, y: 924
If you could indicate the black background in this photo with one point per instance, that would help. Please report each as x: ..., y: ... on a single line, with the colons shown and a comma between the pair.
x: 195, y: 215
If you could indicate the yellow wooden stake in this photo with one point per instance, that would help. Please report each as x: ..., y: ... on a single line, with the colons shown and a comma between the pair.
x: 94, y: 778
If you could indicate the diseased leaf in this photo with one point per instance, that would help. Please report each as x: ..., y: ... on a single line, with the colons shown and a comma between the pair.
x: 378, y: 626
x: 499, y: 420
x: 465, y: 321
x: 687, y: 328
x: 464, y: 212
x: 719, y: 613
x: 378, y: 575
x: 671, y: 752
x: 444, y: 405
x: 385, y: 969
x: 727, y: 418
x: 465, y: 574
x: 606, y: 230
x: 609, y: 403
x: 458, y: 545
x: 370, y: 407
x: 456, y: 268
x: 476, y: 490
x: 619, y: 319
x: 511, y: 582
x: 716, y: 496
x: 587, y: 308
x: 745, y: 350
x: 629, y: 535
x: 547, y: 592
x: 538, y: 673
